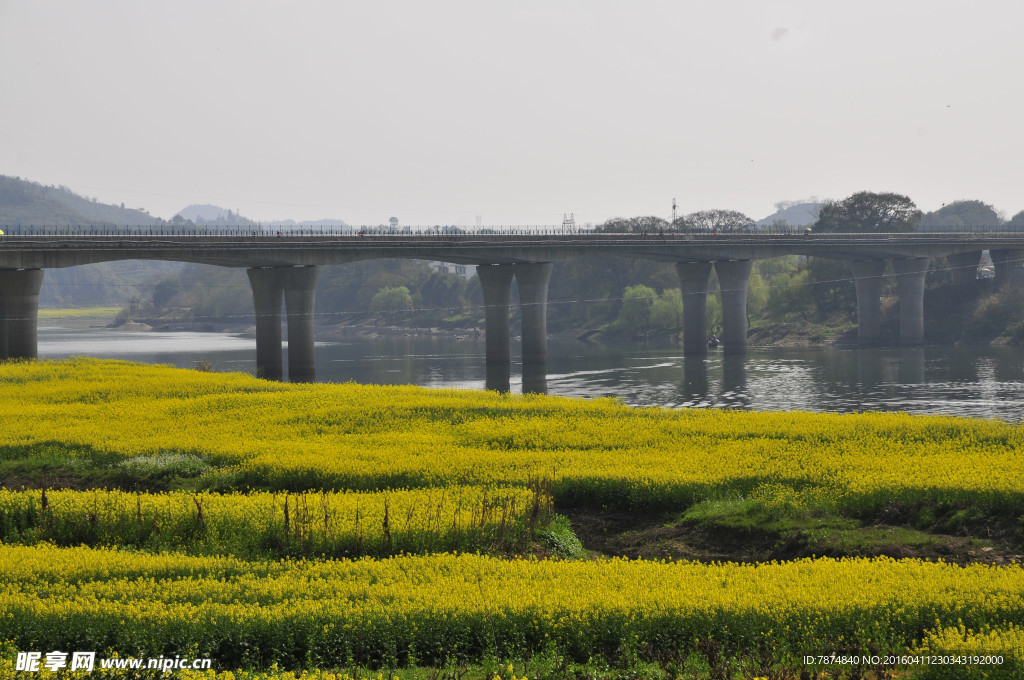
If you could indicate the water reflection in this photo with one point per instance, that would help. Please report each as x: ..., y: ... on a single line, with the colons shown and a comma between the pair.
x: 535, y: 378
x: 734, y: 381
x: 986, y: 382
x: 695, y: 382
x: 911, y: 366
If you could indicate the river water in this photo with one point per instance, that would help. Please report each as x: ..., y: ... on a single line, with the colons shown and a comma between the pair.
x: 981, y: 382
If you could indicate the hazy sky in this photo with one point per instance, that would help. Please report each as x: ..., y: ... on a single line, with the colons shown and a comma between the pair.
x: 436, y: 112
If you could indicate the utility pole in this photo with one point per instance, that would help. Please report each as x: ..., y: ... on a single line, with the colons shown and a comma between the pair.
x: 673, y: 211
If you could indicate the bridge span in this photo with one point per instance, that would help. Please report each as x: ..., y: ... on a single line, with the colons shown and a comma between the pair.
x: 283, y: 273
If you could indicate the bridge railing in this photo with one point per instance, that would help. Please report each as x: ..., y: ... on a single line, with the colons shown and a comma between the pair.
x: 257, y: 231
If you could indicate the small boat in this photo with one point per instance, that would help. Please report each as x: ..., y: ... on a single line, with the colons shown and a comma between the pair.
x: 712, y: 341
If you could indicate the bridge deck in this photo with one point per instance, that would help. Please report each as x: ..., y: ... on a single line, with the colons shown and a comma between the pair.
x: 48, y: 251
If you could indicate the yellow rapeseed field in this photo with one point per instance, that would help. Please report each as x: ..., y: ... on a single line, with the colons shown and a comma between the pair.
x: 326, y: 613
x: 320, y: 471
x: 337, y: 524
x: 301, y: 437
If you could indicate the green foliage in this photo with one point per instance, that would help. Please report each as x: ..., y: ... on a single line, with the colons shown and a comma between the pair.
x: 667, y: 310
x: 962, y: 216
x: 217, y: 292
x: 444, y: 292
x: 165, y: 292
x: 206, y: 291
x: 348, y: 290
x: 559, y: 539
x: 972, y: 314
x: 787, y: 281
x: 715, y: 221
x: 869, y: 212
x: 1015, y: 223
x: 395, y: 299
x: 832, y: 288
x: 635, y: 314
x: 634, y: 225
x: 587, y: 291
x: 102, y: 284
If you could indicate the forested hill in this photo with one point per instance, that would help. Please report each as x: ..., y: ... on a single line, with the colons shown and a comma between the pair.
x: 24, y: 203
x: 110, y: 284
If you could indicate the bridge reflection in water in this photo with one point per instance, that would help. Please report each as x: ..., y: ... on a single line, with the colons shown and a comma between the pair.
x: 974, y: 381
x: 283, y: 273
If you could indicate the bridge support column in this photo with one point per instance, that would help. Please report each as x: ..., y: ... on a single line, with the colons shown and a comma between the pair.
x: 498, y: 378
x: 532, y: 279
x: 496, y: 282
x: 733, y: 277
x: 267, y: 285
x: 1009, y: 265
x: 964, y: 267
x: 299, y: 298
x: 910, y: 273
x: 867, y: 277
x: 693, y: 282
x: 19, y: 313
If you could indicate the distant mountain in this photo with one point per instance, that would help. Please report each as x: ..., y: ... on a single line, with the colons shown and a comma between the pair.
x: 29, y: 206
x: 206, y: 214
x: 793, y: 215
x: 24, y: 204
x: 292, y: 224
x: 213, y: 216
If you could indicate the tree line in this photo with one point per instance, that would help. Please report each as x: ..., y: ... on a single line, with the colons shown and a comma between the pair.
x: 624, y: 297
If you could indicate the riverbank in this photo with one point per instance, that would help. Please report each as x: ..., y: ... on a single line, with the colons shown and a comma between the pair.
x: 953, y: 317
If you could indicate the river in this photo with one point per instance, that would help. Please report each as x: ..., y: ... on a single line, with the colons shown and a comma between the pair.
x: 980, y: 382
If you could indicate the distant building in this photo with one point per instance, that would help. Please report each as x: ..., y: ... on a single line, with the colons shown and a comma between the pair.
x: 466, y: 271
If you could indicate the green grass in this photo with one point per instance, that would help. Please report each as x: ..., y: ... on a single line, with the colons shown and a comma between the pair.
x: 798, y: 531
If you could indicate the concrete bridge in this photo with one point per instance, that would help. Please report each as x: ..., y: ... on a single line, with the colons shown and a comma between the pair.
x: 283, y: 274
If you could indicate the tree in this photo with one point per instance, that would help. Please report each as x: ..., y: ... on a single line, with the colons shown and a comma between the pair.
x: 1016, y: 222
x: 444, y: 292
x: 869, y: 212
x: 721, y: 221
x: 832, y: 288
x: 634, y: 225
x: 667, y: 310
x: 636, y: 308
x: 165, y: 292
x: 395, y: 299
x: 962, y: 216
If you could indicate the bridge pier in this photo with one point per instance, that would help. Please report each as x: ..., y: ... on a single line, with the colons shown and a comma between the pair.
x: 498, y: 378
x: 19, y: 313
x: 299, y: 298
x: 267, y: 285
x: 297, y: 287
x: 964, y: 267
x: 693, y: 282
x: 867, y: 278
x: 910, y: 274
x: 1009, y: 265
x: 532, y: 279
x: 496, y: 282
x: 733, y: 277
